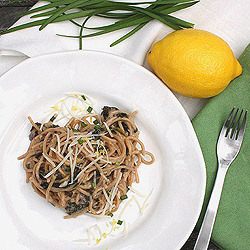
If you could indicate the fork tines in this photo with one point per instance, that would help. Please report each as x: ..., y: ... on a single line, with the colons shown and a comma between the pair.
x: 234, y: 126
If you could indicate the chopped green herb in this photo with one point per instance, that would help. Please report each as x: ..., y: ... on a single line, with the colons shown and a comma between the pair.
x: 83, y: 97
x: 118, y: 163
x: 89, y: 109
x: 95, y: 122
x: 119, y: 222
x: 97, y: 127
x: 75, y: 130
x: 111, y: 215
x: 93, y: 185
x: 81, y: 141
x: 83, y: 124
x: 124, y: 197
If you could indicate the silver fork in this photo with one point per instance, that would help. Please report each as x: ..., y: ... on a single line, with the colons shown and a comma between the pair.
x: 228, y: 147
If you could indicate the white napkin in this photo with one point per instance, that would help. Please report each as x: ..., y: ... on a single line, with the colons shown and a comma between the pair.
x: 31, y: 42
x: 229, y: 19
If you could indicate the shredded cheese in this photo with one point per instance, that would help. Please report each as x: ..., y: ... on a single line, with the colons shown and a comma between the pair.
x: 72, y: 105
x: 144, y: 205
x: 74, y: 165
x: 84, y: 145
x: 59, y: 165
x: 104, y: 177
x: 106, y: 152
x: 71, y: 163
x: 49, y: 160
x: 105, y: 209
x: 106, y: 196
x: 137, y: 203
x: 58, y: 143
x: 111, y: 228
x: 89, y: 235
x: 124, y: 208
x: 114, y: 191
x: 125, y: 229
x: 89, y: 165
x: 90, y: 145
x: 66, y: 142
x: 103, y: 166
x: 70, y: 112
x: 81, y: 240
x: 54, y: 150
x: 64, y: 184
x: 136, y: 192
x: 95, y: 226
x: 108, y: 129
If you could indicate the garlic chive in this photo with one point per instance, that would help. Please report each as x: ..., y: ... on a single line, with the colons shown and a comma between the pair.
x: 83, y: 124
x: 119, y: 222
x: 133, y: 15
x: 81, y: 141
x: 97, y: 127
x: 89, y: 109
x: 124, y: 197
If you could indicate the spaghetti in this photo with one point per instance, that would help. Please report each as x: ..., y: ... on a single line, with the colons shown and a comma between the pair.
x: 84, y: 166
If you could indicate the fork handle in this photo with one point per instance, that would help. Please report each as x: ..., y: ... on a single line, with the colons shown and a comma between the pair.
x: 210, y: 215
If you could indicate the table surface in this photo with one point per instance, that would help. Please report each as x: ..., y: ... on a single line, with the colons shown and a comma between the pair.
x: 8, y: 13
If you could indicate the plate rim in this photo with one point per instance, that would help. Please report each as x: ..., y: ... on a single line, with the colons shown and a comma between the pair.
x: 163, y: 86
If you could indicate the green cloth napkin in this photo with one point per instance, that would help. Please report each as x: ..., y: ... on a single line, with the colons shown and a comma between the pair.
x: 232, y: 226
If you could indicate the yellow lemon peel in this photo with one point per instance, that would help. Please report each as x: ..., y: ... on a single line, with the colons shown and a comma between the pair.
x: 194, y: 63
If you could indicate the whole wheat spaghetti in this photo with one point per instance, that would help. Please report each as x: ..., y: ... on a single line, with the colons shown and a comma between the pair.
x: 85, y: 167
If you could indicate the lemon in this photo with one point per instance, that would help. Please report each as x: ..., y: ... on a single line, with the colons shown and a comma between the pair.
x: 194, y: 63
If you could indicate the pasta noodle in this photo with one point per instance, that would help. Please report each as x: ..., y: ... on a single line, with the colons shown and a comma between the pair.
x: 85, y: 167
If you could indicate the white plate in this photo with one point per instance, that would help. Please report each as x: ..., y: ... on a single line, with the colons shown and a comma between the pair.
x: 178, y: 174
